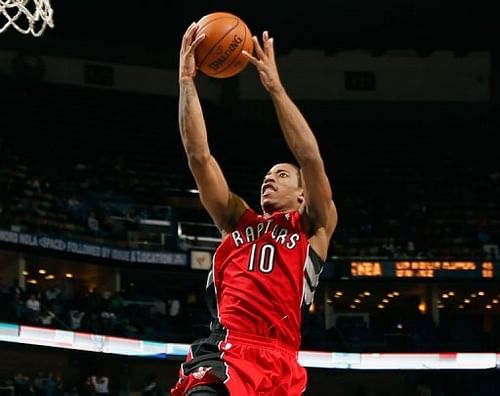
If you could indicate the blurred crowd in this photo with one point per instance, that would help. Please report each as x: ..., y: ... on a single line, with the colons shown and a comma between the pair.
x: 446, y: 216
x: 160, y: 317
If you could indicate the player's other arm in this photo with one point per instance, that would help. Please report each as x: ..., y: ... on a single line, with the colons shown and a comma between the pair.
x: 319, y: 207
x: 223, y: 206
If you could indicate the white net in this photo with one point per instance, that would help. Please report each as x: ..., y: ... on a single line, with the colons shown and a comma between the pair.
x: 26, y: 16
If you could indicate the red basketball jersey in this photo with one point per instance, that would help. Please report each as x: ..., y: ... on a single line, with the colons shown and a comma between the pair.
x: 262, y: 273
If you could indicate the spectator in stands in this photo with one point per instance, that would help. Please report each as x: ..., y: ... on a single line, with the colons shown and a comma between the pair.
x: 50, y: 296
x: 76, y: 317
x: 101, y: 385
x: 491, y: 251
x: 75, y: 208
x: 46, y: 317
x: 388, y: 249
x: 59, y: 386
x: 16, y: 290
x: 50, y: 385
x: 22, y: 385
x: 174, y: 307
x: 133, y: 216
x: 87, y: 388
x: 35, y: 185
x: 39, y: 384
x: 33, y: 308
x: 93, y: 223
x: 116, y: 303
x: 159, y: 307
x: 16, y: 302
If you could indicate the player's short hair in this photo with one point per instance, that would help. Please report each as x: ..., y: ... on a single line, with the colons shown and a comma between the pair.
x: 297, y: 169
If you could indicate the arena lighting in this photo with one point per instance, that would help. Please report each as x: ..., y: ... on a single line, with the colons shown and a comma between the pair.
x: 329, y: 360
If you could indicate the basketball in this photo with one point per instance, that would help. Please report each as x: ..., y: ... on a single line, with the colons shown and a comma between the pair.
x: 219, y: 53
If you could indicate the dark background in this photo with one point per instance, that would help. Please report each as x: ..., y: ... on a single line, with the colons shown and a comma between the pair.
x: 146, y: 32
x: 372, y: 149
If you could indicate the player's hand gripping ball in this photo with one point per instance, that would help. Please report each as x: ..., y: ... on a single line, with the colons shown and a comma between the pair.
x: 219, y: 53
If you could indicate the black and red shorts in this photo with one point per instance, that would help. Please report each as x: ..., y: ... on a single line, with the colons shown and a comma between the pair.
x: 248, y: 365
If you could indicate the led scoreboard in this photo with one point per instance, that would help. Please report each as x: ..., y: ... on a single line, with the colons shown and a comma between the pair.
x: 424, y: 269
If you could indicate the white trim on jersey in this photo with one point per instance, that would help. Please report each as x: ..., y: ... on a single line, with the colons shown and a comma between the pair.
x: 312, y: 272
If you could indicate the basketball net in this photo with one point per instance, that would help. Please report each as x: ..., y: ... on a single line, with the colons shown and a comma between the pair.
x: 26, y: 16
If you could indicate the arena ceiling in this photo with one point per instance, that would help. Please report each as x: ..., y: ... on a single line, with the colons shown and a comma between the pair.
x: 149, y: 31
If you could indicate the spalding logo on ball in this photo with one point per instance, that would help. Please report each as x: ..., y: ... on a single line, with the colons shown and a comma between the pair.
x: 219, y: 53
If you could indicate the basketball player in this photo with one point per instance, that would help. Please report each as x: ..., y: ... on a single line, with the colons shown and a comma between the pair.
x: 268, y: 264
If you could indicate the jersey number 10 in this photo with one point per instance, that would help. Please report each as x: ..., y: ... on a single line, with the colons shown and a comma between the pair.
x: 264, y: 256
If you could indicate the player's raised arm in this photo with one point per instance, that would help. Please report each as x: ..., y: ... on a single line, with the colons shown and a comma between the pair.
x: 319, y: 207
x: 223, y: 206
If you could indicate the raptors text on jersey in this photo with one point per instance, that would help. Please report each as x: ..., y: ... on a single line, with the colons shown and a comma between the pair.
x: 263, y: 271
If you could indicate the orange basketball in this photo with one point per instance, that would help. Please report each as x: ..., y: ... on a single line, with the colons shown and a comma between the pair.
x: 219, y: 53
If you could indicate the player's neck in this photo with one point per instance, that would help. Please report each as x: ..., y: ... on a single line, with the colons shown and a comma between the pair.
x: 269, y: 213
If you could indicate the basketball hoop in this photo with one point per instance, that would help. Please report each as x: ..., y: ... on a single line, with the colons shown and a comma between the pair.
x: 26, y: 16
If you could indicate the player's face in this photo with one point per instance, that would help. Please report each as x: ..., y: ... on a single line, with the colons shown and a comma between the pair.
x: 280, y: 190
